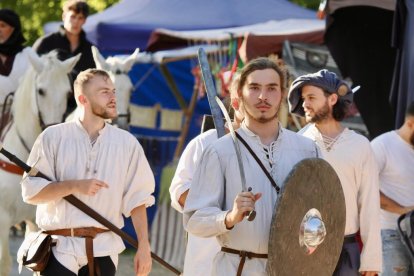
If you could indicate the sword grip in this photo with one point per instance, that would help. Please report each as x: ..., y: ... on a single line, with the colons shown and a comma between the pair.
x: 252, y: 214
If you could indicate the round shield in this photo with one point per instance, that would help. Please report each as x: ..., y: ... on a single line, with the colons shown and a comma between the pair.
x: 308, y: 225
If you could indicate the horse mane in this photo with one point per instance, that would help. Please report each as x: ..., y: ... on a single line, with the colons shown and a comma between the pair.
x: 26, y: 89
x: 22, y: 96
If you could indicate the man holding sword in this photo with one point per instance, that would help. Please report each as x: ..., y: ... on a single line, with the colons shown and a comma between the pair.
x: 216, y: 204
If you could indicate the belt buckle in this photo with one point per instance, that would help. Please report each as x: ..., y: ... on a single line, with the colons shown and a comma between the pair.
x: 242, y: 254
x: 72, y: 232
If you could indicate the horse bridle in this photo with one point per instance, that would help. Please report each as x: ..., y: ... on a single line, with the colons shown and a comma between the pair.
x: 128, y: 114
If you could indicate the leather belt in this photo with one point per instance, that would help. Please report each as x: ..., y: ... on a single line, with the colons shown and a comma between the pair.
x: 350, y: 238
x: 243, y: 254
x: 89, y: 233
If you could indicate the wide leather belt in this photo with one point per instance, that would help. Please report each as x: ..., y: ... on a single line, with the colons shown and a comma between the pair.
x: 89, y: 233
x: 243, y: 255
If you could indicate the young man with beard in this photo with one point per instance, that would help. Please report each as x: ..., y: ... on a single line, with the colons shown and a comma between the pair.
x: 394, y: 152
x: 216, y: 203
x: 103, y: 166
x: 323, y: 99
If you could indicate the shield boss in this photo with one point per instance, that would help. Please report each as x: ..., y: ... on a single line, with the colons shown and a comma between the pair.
x: 308, y: 224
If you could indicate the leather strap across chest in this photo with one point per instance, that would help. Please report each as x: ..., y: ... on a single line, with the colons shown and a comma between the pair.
x: 272, y: 181
x: 89, y: 233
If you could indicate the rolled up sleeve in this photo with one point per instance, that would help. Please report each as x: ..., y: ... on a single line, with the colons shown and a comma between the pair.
x: 41, y: 158
x: 140, y: 183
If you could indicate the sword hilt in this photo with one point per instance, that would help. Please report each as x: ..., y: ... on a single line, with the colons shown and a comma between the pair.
x: 252, y: 214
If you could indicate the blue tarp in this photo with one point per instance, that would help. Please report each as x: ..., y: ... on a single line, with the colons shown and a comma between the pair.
x: 128, y: 24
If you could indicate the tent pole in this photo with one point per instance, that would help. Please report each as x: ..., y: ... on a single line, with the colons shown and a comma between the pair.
x: 173, y: 87
x: 188, y: 116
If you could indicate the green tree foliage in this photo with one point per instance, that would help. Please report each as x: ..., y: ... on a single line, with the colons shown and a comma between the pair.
x: 34, y: 14
x: 310, y: 4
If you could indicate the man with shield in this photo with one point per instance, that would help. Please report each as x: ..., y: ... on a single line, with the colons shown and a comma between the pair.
x: 323, y: 99
x: 217, y: 202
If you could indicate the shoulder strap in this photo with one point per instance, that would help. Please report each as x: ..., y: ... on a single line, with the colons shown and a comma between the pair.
x: 272, y: 181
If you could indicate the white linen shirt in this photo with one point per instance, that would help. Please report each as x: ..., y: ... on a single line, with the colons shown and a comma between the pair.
x: 354, y: 162
x: 395, y: 159
x: 200, y: 251
x: 217, y: 182
x: 64, y: 152
x: 187, y: 164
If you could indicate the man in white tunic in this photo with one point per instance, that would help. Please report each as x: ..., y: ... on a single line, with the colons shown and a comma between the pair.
x: 105, y: 167
x: 216, y: 204
x: 394, y: 152
x: 323, y: 99
x: 200, y: 251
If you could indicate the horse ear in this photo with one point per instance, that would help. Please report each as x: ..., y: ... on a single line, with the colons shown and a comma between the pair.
x: 70, y: 63
x: 130, y: 61
x: 99, y: 59
x: 35, y: 60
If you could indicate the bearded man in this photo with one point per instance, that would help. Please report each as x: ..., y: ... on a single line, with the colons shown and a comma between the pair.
x: 103, y: 166
x: 323, y: 99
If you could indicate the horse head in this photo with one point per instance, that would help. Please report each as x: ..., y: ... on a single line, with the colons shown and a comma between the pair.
x: 41, y: 98
x: 52, y: 87
x: 118, y: 69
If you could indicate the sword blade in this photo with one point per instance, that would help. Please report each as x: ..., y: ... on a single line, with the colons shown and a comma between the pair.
x: 211, y: 92
x: 252, y: 214
x: 235, y: 142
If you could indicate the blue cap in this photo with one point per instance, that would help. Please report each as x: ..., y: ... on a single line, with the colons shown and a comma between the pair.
x: 324, y: 79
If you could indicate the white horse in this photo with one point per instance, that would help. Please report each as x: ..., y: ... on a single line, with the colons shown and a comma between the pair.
x: 118, y: 69
x: 39, y: 101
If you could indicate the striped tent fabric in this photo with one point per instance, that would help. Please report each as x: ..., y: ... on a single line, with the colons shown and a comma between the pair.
x: 168, y: 238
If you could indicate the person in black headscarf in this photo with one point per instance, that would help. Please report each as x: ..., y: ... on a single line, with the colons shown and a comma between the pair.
x: 13, y: 55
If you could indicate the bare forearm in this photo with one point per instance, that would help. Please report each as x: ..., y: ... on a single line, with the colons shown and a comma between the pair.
x: 139, y: 219
x: 392, y: 206
x: 183, y: 198
x: 57, y: 190
x: 54, y: 191
x: 142, y: 259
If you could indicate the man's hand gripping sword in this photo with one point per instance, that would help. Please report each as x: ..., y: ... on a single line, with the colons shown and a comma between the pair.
x: 215, y: 106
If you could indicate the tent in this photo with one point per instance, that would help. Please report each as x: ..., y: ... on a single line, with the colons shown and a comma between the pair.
x: 129, y: 24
